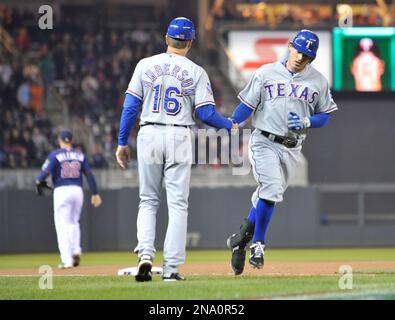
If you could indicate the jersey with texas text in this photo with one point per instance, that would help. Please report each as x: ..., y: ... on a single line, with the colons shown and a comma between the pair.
x: 273, y: 92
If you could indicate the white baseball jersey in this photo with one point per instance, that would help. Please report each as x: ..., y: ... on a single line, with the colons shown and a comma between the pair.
x: 273, y: 92
x: 171, y: 87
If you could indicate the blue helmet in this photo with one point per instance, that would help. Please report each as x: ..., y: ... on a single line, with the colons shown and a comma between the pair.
x: 306, y: 42
x: 181, y: 29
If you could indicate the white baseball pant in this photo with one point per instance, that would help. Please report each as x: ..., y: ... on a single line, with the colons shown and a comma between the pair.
x: 68, y: 202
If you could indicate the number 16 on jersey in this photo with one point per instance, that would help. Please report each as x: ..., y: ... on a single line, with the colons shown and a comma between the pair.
x: 170, y: 104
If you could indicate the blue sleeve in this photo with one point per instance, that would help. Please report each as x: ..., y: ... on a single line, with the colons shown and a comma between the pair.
x: 209, y: 115
x: 241, y: 113
x: 47, y: 168
x: 92, y: 183
x: 131, y: 108
x: 319, y: 120
x: 86, y: 169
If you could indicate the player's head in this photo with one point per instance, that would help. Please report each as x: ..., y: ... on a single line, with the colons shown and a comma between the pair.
x: 306, y: 42
x: 302, y: 50
x: 180, y: 33
x: 65, y: 137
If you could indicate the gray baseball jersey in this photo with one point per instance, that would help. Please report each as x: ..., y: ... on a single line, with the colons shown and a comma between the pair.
x: 273, y: 92
x: 171, y: 87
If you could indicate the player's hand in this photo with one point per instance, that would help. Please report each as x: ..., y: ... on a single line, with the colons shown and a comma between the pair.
x: 296, y: 123
x: 235, y: 126
x: 96, y: 200
x: 123, y: 156
x: 41, y: 186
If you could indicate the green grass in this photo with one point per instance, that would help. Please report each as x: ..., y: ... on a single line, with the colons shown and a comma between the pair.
x: 367, y: 284
x: 220, y: 287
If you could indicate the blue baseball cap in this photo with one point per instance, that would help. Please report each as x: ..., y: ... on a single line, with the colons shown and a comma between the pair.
x: 306, y: 42
x: 66, y: 136
x: 181, y: 29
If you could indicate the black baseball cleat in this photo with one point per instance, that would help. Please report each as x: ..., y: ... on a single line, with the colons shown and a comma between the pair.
x: 238, y: 256
x: 257, y: 252
x: 175, y: 276
x: 237, y: 243
x: 144, y: 269
x: 76, y: 260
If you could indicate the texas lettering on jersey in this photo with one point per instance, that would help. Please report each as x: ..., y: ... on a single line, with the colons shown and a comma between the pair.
x: 294, y: 91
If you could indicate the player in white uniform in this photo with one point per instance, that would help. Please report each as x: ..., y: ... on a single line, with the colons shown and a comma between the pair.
x: 168, y: 88
x: 66, y: 165
x: 286, y: 99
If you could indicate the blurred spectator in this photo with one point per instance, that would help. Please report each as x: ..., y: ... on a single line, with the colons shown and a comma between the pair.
x: 109, y: 147
x: 41, y: 143
x: 90, y: 87
x: 23, y: 40
x: 47, y: 66
x: 98, y: 159
x: 36, y: 97
x: 23, y: 95
x: 28, y: 145
x: 5, y: 73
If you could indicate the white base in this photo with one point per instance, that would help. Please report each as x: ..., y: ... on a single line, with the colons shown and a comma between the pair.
x: 132, y: 271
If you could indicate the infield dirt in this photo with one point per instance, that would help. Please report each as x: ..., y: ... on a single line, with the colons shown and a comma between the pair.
x: 220, y: 268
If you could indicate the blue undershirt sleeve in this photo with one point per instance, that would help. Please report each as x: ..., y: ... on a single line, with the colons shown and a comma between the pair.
x: 131, y: 108
x: 319, y: 120
x: 241, y: 113
x: 209, y: 115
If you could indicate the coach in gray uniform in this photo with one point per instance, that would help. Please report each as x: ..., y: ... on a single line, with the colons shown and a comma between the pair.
x: 169, y: 89
x: 286, y: 99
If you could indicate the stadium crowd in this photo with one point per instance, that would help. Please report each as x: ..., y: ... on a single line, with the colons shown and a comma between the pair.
x: 90, y: 65
x: 93, y: 68
x: 90, y: 62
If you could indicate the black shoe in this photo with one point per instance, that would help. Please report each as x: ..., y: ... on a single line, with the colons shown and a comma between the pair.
x: 76, y: 260
x: 238, y: 255
x: 144, y: 269
x: 173, y: 277
x: 257, y: 252
x: 237, y: 243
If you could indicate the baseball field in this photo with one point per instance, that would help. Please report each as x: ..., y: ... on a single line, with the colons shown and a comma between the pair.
x: 287, y: 274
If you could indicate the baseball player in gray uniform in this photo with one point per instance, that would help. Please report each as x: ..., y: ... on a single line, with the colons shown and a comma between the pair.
x: 286, y: 98
x: 169, y: 89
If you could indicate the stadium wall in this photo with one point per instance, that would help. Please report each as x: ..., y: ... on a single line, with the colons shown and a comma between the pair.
x: 26, y: 221
x: 357, y: 144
